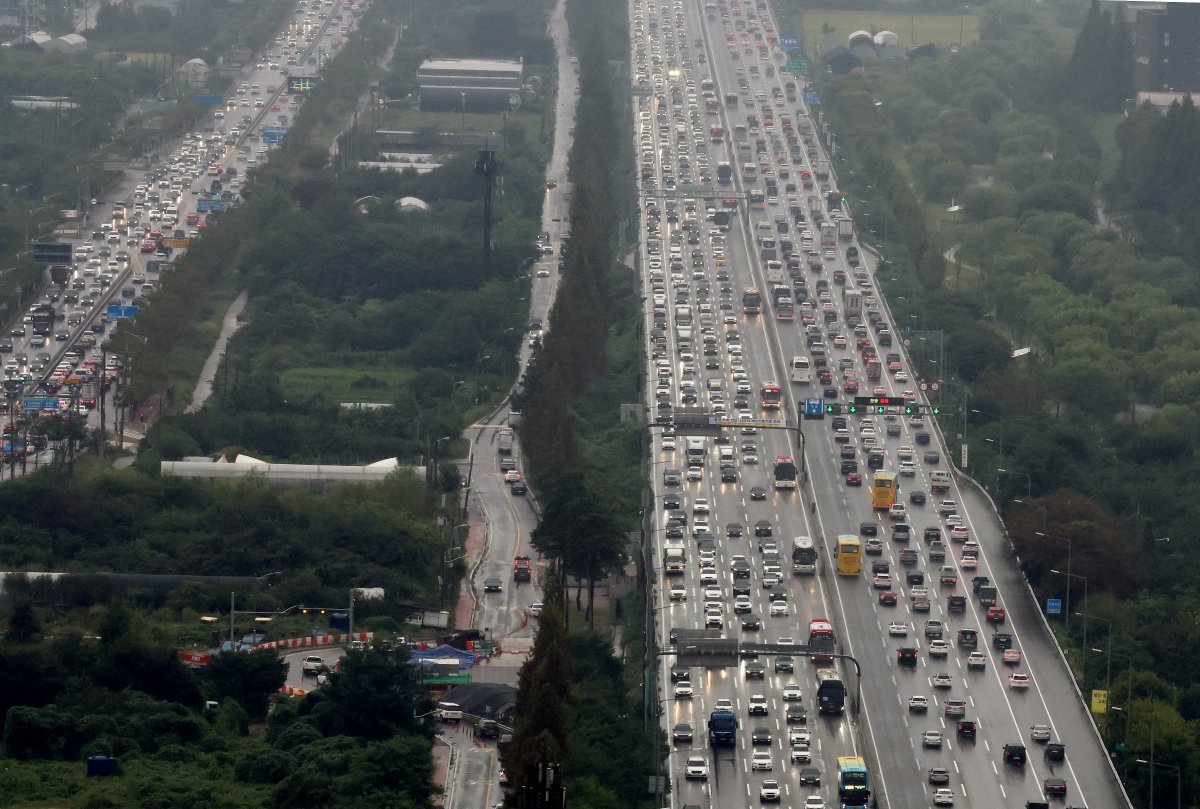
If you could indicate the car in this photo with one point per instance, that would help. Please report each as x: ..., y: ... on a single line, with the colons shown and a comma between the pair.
x: 779, y: 609
x: 784, y: 664
x: 934, y: 629
x: 678, y: 591
x: 882, y: 581
x: 887, y: 599
x: 758, y: 493
x: 503, y: 778
x: 734, y: 530
x: 996, y: 615
x: 763, y: 528
x: 931, y: 738
x: 1040, y: 733
x: 811, y: 776
x: 312, y: 666
x: 868, y: 529
x: 683, y: 690
x: 942, y: 680
x: 1055, y: 751
x: 1001, y: 640
x: 757, y: 705
x: 854, y: 479
x: 812, y: 801
x: 898, y: 629
x: 954, y: 707
x: 1014, y: 754
x: 761, y: 735
x: 873, y: 547
x: 755, y: 670
x: 918, y: 704
x: 939, y: 648
x: 700, y: 505
x: 751, y: 622
x: 1019, y: 680
x: 1055, y: 787
x: 761, y: 760
x: 492, y: 585
x: 939, y: 775
x: 917, y: 497
x: 943, y: 797
x: 682, y: 732
x: 792, y: 692
x: 696, y: 767
x: 796, y: 714
x: 535, y: 609
x: 801, y: 753
x: 769, y: 792
x: 976, y: 660
x: 898, y: 512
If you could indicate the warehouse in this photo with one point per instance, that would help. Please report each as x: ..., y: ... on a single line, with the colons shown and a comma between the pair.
x: 471, y: 85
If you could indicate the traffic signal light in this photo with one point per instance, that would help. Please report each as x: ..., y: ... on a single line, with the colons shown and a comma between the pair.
x: 852, y: 408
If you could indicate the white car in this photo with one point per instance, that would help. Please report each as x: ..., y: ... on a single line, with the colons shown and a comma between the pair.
x: 678, y: 592
x: 792, y: 692
x: 898, y: 629
x: 683, y: 690
x: 943, y: 797
x: 938, y: 648
x: 757, y: 705
x: 769, y: 792
x: 700, y: 505
x: 723, y: 705
x: 801, y: 754
x: 712, y: 594
x: 779, y: 609
x: 761, y: 760
x: 1019, y: 681
x: 696, y: 767
x: 814, y: 802
x: 931, y: 738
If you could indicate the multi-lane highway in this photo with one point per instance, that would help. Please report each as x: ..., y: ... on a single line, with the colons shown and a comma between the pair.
x: 714, y: 96
x: 117, y: 257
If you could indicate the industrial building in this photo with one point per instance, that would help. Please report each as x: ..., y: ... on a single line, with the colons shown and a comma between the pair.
x: 470, y: 85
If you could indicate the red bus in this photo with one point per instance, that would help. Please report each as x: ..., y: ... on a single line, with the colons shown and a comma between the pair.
x: 820, y: 640
x: 772, y: 396
x: 716, y: 133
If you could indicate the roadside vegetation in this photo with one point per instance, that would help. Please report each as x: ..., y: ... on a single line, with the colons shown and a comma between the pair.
x: 1087, y: 441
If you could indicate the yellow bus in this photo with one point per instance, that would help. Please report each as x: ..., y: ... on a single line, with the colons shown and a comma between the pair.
x: 883, y: 490
x: 849, y: 555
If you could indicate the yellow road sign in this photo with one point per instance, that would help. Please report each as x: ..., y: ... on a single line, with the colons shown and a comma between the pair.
x: 1099, y: 702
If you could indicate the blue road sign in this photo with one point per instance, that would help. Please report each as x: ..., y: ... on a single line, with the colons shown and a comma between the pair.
x: 814, y: 407
x: 789, y: 44
x: 269, y: 136
x: 1054, y: 606
x: 812, y: 98
x: 209, y: 101
x: 39, y: 403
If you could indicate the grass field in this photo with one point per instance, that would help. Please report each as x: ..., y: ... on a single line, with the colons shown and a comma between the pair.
x: 912, y: 29
x: 345, y: 384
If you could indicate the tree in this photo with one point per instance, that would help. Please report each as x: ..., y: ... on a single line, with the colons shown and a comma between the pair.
x: 23, y: 625
x: 248, y: 678
x: 373, y: 695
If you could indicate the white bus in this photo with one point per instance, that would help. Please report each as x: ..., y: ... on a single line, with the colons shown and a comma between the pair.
x: 804, y: 557
x: 801, y: 370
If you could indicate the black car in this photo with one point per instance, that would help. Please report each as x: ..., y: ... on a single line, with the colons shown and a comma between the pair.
x: 932, y: 456
x: 751, y: 622
x: 760, y: 735
x: 762, y: 528
x: 968, y: 638
x: 755, y: 670
x: 1055, y: 751
x: 488, y: 729
x: 868, y: 529
x: 491, y: 585
x: 916, y: 497
x: 758, y: 493
x: 682, y: 732
x: 741, y: 569
x: 831, y: 393
x: 680, y: 673
x: 741, y: 587
x: 798, y: 715
x: 967, y: 728
x: 1014, y: 754
x: 810, y: 776
x: 849, y: 467
x: 734, y: 529
x: 672, y: 501
x: 932, y: 532
x: 1001, y: 640
x: 1056, y: 787
x: 728, y: 474
x: 784, y: 663
x: 915, y: 578
x: 675, y: 532
x: 906, y: 656
x: 922, y: 438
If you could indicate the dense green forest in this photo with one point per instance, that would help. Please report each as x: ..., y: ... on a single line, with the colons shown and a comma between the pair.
x: 1091, y: 438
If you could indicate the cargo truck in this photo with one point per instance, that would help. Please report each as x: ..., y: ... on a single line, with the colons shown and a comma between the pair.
x: 675, y: 559
x: 504, y: 442
x: 845, y: 229
x: 831, y: 692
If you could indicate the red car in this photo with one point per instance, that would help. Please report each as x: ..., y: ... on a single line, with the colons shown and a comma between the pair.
x: 854, y: 479
x: 148, y: 247
x: 887, y: 598
x: 996, y: 615
x: 1011, y: 657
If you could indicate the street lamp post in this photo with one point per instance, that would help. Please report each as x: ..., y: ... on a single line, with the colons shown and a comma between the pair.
x: 1066, y: 612
x: 1068, y: 605
x: 1028, y: 480
x: 1178, y: 778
